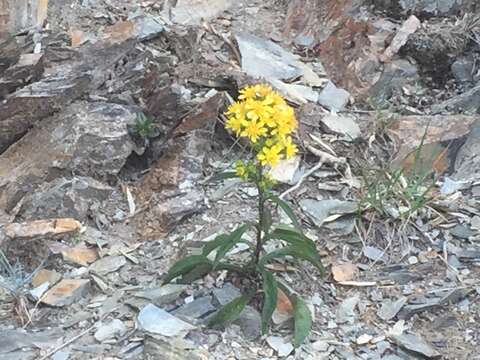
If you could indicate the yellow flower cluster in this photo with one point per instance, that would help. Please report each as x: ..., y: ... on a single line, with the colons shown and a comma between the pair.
x: 262, y: 116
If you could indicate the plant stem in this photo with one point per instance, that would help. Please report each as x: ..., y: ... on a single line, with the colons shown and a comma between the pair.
x: 261, y: 210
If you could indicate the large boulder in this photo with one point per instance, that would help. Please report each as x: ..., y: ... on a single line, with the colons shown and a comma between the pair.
x: 85, y: 139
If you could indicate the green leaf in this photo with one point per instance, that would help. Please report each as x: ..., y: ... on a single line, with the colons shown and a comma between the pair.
x: 234, y: 238
x: 302, y: 320
x: 286, y: 209
x: 293, y: 237
x: 197, y: 273
x: 213, y: 244
x: 184, y: 266
x: 267, y: 220
x: 302, y: 252
x: 270, y: 299
x: 230, y: 311
x: 224, y: 175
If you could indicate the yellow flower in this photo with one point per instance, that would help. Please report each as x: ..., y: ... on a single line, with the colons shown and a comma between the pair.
x: 274, y: 99
x: 270, y: 155
x: 290, y: 148
x: 248, y: 92
x: 241, y: 169
x: 235, y: 124
x: 254, y: 129
x: 262, y: 91
x: 236, y: 109
x: 256, y: 110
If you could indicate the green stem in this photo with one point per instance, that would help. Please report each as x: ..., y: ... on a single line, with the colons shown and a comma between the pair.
x: 261, y: 210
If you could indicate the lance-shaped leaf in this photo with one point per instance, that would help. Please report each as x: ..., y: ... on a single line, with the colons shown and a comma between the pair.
x: 197, y: 273
x: 270, y: 290
x: 286, y: 209
x: 299, y: 252
x: 213, y: 244
x: 230, y: 311
x: 234, y: 238
x: 267, y: 220
x: 302, y: 320
x: 293, y: 237
x: 184, y: 266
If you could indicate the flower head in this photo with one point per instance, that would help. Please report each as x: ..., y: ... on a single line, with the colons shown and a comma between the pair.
x: 270, y: 155
x: 253, y: 130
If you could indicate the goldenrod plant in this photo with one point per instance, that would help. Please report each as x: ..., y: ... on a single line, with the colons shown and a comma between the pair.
x: 264, y: 118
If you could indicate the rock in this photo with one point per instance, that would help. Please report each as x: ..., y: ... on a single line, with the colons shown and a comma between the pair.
x: 320, y: 210
x: 28, y: 69
x: 462, y: 231
x: 410, y: 131
x: 397, y: 8
x: 282, y: 347
x: 140, y: 27
x: 395, y: 76
x: 193, y: 12
x: 346, y: 310
x: 37, y: 101
x: 401, y: 37
x: 295, y: 93
x: 162, y: 295
x: 158, y: 347
x: 344, y: 272
x: 196, y: 309
x: 364, y: 339
x: 79, y: 255
x: 467, y: 162
x: 37, y: 292
x: 10, y: 51
x: 342, y: 124
x: 450, y: 186
x: 226, y: 294
x: 88, y: 139
x: 391, y: 308
x: 66, y: 197
x: 19, y: 15
x: 51, y: 228
x: 265, y: 59
x: 108, y: 264
x: 463, y: 69
x: 409, y: 310
x: 42, y: 276
x: 158, y: 321
x: 284, y: 309
x: 286, y: 171
x: 66, y: 292
x: 250, y: 322
x: 12, y: 340
x: 417, y: 345
x: 61, y: 355
x: 114, y: 328
x: 467, y: 103
x: 333, y: 98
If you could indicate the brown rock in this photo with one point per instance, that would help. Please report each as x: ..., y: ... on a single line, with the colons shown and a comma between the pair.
x: 108, y: 264
x: 51, y: 228
x: 79, y: 255
x: 66, y: 292
x: 44, y: 275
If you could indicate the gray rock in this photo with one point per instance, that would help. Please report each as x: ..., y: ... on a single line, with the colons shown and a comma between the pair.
x: 64, y: 197
x: 462, y: 69
x: 12, y: 340
x: 158, y: 321
x: 196, y: 309
x: 37, y: 101
x: 114, y: 328
x: 417, y: 345
x: 108, y: 264
x: 148, y: 27
x: 28, y: 69
x: 391, y: 308
x: 264, y: 59
x: 373, y: 253
x: 88, y: 139
x: 467, y: 102
x: 250, y: 322
x: 280, y: 345
x: 333, y: 98
x: 158, y: 347
x: 226, y: 294
x: 346, y: 310
x: 467, y: 162
x: 397, y: 8
x: 342, y: 124
x: 162, y: 295
x: 394, y: 76
x: 187, y: 12
x: 409, y: 310
x: 462, y: 231
x: 61, y: 355
x: 319, y: 210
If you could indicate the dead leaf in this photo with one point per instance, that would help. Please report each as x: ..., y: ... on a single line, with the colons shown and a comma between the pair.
x: 344, y: 272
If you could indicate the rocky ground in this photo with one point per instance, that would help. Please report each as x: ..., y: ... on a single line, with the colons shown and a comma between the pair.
x: 92, y: 214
